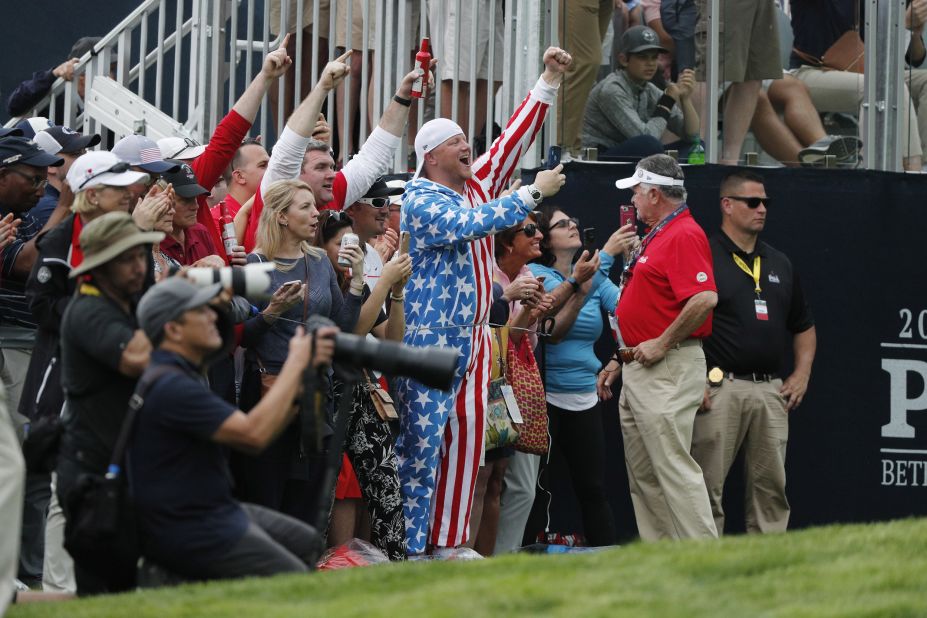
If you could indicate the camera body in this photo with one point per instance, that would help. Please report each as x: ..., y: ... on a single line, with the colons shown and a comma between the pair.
x: 251, y: 281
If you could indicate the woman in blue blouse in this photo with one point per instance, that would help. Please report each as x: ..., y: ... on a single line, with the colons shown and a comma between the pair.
x: 571, y: 366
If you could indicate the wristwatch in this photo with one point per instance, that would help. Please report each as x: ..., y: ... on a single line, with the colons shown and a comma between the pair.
x: 536, y: 194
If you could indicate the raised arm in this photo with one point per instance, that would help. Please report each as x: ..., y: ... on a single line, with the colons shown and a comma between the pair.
x: 495, y: 167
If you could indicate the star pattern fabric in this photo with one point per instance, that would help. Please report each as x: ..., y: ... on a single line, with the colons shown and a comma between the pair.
x: 447, y: 304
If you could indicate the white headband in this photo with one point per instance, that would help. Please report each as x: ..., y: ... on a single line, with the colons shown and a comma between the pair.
x: 643, y: 176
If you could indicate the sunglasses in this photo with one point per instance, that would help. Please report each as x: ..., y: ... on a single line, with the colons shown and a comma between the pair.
x: 376, y: 202
x: 37, y: 181
x: 118, y: 168
x: 187, y: 143
x: 336, y: 216
x: 751, y: 202
x: 565, y: 223
x: 530, y: 230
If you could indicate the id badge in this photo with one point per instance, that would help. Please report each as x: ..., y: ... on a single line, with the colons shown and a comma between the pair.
x: 762, y: 312
x: 508, y: 393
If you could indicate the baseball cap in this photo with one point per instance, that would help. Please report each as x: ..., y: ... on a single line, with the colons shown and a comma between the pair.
x: 10, y: 131
x: 31, y: 126
x: 143, y: 152
x: 643, y: 176
x: 180, y: 148
x: 15, y: 150
x: 101, y: 168
x: 639, y: 39
x: 57, y: 139
x: 108, y: 235
x: 184, y: 180
x: 167, y: 301
x: 432, y: 134
x: 83, y: 45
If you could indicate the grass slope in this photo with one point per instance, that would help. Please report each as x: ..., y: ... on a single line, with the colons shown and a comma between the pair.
x: 858, y: 570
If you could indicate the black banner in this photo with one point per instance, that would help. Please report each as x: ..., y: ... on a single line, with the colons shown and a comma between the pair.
x: 858, y: 444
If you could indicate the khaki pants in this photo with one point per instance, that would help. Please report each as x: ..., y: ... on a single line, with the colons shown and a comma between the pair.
x: 751, y: 414
x: 657, y: 409
x: 583, y: 24
x: 12, y: 480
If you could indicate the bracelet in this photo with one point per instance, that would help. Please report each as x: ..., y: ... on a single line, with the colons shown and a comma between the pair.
x: 397, y: 299
x: 402, y: 101
x: 357, y: 290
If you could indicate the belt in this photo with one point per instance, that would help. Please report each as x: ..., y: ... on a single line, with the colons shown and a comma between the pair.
x: 752, y: 377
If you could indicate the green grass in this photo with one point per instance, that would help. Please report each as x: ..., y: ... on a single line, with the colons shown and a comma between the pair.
x: 858, y: 570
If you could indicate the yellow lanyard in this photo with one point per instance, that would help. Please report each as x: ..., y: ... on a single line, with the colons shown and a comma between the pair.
x: 754, y: 274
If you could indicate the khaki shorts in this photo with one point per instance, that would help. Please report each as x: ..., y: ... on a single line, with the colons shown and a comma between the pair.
x: 443, y: 19
x: 749, y: 39
x: 357, y: 23
x: 324, y: 13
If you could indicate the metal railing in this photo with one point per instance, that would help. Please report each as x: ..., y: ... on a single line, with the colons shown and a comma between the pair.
x: 193, y: 58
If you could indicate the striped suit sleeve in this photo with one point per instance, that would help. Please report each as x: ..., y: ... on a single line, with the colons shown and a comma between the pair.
x: 494, y: 168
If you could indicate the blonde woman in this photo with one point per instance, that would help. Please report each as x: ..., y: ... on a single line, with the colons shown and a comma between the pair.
x: 285, y: 476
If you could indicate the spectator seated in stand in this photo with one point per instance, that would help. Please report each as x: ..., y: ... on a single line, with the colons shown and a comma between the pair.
x: 626, y: 115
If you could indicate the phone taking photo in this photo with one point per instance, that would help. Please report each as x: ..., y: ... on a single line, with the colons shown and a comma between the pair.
x: 589, y: 239
x: 627, y: 216
x: 553, y: 157
x: 404, y: 239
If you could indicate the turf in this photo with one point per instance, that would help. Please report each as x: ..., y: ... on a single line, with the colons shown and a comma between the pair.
x: 846, y: 570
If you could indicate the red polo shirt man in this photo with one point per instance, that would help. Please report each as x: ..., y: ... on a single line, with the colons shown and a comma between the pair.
x: 663, y: 313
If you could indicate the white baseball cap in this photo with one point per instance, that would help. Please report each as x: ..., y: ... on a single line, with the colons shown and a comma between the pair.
x: 643, y: 176
x: 180, y: 148
x: 143, y: 152
x: 101, y: 168
x: 432, y: 134
x: 396, y: 184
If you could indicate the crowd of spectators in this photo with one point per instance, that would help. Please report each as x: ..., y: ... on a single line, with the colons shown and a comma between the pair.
x: 233, y: 401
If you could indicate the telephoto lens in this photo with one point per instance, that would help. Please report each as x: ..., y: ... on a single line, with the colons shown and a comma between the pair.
x: 251, y: 281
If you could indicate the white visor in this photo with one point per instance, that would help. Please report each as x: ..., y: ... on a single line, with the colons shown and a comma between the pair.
x: 643, y: 176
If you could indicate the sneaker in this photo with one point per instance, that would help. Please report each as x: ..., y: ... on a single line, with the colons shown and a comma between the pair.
x: 845, y: 149
x: 455, y: 553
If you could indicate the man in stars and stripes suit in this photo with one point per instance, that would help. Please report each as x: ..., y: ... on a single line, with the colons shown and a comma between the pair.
x: 451, y: 210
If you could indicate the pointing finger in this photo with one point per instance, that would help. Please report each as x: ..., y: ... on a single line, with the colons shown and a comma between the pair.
x: 343, y: 57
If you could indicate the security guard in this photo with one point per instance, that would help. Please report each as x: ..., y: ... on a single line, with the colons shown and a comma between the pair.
x: 760, y: 303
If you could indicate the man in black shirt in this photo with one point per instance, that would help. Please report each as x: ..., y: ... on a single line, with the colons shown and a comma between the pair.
x: 102, y: 353
x: 188, y: 519
x: 760, y: 304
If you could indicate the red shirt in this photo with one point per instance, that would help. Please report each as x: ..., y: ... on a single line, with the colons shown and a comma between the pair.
x: 197, y: 245
x: 676, y: 265
x: 208, y: 167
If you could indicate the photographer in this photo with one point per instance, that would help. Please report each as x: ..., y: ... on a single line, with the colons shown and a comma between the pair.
x: 285, y: 477
x: 102, y: 355
x: 188, y: 520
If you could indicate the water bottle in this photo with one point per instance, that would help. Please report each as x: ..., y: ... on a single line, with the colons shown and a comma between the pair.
x: 697, y: 153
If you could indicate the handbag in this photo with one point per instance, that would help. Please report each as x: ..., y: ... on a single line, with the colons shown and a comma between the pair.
x: 500, y: 428
x: 846, y: 54
x: 101, y: 531
x: 525, y: 378
x: 382, y: 402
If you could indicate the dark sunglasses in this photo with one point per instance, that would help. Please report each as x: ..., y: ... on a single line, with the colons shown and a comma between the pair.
x: 376, y: 202
x: 118, y: 168
x: 751, y: 202
x: 336, y: 216
x: 565, y: 223
x: 530, y: 230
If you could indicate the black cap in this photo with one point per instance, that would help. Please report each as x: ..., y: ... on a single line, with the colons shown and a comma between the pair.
x: 640, y: 39
x: 184, y: 180
x: 15, y: 150
x: 12, y: 131
x: 381, y: 189
x: 72, y: 141
x: 83, y: 45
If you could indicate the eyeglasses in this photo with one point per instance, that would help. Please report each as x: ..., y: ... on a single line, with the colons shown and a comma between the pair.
x: 118, y: 168
x: 751, y: 202
x: 530, y: 230
x: 38, y: 182
x: 564, y: 223
x: 376, y: 202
